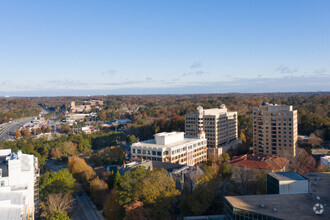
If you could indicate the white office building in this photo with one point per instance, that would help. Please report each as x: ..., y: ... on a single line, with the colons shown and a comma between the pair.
x: 19, y: 175
x: 220, y: 126
x: 172, y: 147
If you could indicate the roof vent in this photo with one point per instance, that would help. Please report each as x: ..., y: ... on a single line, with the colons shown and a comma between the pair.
x: 275, y: 209
x: 262, y: 205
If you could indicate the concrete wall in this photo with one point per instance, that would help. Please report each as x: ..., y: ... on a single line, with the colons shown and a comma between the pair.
x: 293, y: 186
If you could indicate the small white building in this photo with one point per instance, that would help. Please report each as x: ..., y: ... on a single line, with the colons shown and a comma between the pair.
x: 172, y: 147
x: 287, y: 183
x: 19, y: 175
x: 325, y: 161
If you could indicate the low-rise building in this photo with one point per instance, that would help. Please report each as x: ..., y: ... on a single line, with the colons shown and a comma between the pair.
x: 303, y: 206
x: 247, y: 166
x: 19, y: 175
x: 286, y: 183
x: 172, y: 147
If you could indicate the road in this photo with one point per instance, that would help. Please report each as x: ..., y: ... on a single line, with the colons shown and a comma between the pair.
x: 7, y: 130
x: 83, y: 209
x: 87, y: 210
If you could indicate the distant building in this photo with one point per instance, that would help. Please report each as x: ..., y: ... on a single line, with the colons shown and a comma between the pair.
x: 275, y: 130
x: 286, y: 183
x: 171, y: 147
x: 301, y: 205
x: 93, y: 103
x: 220, y: 127
x: 19, y: 175
x: 325, y: 161
x: 79, y: 108
x: 247, y: 166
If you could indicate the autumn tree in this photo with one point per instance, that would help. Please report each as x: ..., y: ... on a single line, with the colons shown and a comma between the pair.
x: 99, y: 190
x: 112, y: 209
x: 80, y: 170
x: 26, y: 133
x: 303, y: 162
x: 18, y: 133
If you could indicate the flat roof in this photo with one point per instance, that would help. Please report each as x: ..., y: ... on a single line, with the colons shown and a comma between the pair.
x: 152, y: 143
x: 10, y: 212
x: 287, y: 176
x: 293, y: 206
x: 16, y: 198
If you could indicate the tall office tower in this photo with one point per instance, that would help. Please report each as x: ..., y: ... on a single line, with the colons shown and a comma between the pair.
x: 275, y: 130
x: 19, y: 190
x: 220, y: 126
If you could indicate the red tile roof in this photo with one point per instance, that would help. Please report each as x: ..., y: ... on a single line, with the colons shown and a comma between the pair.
x: 259, y: 161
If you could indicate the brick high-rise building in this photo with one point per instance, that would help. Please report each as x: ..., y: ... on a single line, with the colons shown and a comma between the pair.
x: 275, y: 130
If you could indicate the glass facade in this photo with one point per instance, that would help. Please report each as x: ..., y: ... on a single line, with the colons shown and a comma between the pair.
x: 272, y: 185
x: 232, y: 213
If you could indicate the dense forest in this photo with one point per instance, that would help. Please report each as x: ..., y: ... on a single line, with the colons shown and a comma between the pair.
x: 17, y: 108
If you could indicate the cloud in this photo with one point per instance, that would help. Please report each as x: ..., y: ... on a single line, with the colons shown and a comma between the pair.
x: 5, y: 83
x: 196, y: 73
x: 196, y: 65
x: 284, y: 69
x: 109, y: 72
x: 321, y: 70
x: 148, y: 78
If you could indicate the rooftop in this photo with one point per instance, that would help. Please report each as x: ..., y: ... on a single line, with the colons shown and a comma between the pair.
x: 287, y: 176
x: 259, y: 161
x: 293, y: 206
x: 152, y: 143
x: 169, y: 167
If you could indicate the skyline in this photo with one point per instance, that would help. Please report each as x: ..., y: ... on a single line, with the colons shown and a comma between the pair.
x: 110, y: 47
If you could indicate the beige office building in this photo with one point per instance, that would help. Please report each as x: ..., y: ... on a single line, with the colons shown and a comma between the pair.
x: 172, y: 147
x: 275, y: 130
x: 220, y: 126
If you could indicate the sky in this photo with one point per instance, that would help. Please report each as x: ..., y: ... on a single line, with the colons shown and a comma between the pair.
x: 85, y: 47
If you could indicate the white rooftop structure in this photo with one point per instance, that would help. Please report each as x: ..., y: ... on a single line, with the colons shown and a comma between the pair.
x: 325, y: 161
x: 166, y: 138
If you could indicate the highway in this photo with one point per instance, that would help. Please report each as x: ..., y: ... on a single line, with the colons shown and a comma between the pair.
x: 7, y: 130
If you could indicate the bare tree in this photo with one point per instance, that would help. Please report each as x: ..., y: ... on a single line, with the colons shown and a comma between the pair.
x: 57, y: 202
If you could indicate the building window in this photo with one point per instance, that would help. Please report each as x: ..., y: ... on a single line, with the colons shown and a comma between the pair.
x: 132, y: 150
x: 139, y: 151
